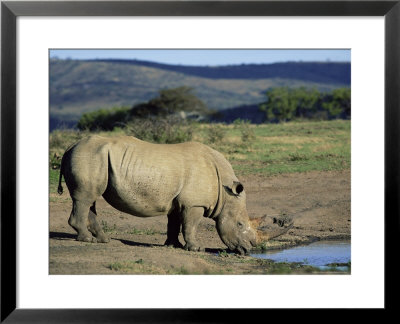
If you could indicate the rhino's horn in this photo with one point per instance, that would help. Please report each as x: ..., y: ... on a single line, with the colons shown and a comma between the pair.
x: 269, y: 227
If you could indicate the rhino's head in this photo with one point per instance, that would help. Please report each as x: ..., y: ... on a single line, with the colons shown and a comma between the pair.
x: 237, y: 231
x: 233, y: 223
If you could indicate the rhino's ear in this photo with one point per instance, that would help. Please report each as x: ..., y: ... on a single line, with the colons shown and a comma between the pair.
x: 237, y: 187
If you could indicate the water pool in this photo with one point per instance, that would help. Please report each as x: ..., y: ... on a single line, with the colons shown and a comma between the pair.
x: 318, y: 254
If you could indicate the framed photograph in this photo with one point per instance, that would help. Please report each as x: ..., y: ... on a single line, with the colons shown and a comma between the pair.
x: 38, y: 284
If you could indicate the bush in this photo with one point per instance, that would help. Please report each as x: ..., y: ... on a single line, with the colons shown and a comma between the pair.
x: 247, y: 132
x: 215, y: 133
x: 103, y: 119
x: 168, y: 130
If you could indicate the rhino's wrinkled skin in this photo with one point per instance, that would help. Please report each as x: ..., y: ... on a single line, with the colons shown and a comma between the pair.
x: 184, y: 181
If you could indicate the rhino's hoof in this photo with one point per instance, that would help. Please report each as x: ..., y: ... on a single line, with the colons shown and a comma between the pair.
x: 193, y: 247
x: 103, y: 239
x: 86, y: 238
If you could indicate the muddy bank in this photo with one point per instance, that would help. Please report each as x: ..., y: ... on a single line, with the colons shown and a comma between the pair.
x: 318, y: 201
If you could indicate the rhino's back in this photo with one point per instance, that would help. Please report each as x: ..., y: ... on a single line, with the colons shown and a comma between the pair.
x: 146, y: 179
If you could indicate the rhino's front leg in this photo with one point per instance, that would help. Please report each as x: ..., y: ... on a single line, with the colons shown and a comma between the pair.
x: 173, y: 230
x: 190, y: 220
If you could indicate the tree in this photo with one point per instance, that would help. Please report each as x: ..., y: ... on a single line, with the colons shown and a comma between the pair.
x: 281, y: 104
x: 307, y: 100
x: 285, y: 104
x: 171, y: 101
x: 338, y: 102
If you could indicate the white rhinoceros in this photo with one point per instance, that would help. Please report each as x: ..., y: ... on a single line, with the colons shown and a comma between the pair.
x: 185, y: 181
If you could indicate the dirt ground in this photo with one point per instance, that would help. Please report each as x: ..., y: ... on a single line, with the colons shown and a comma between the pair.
x: 318, y: 201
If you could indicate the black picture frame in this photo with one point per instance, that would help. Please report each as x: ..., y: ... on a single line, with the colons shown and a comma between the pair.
x: 10, y: 10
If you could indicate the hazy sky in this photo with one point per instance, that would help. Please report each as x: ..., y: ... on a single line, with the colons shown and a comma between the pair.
x: 209, y: 57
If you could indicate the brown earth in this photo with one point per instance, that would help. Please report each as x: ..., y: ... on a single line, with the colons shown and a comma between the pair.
x: 318, y: 201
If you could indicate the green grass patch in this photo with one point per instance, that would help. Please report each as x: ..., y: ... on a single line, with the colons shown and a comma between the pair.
x: 147, y: 231
x: 132, y: 267
x: 182, y: 270
x: 53, y: 179
x: 223, y: 254
x: 108, y: 228
x: 294, y: 147
x: 261, y: 247
x: 271, y: 267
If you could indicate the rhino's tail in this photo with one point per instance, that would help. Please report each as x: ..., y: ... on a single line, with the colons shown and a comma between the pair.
x: 60, y: 189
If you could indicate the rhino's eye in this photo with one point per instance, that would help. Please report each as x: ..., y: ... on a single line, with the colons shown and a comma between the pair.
x: 240, y: 224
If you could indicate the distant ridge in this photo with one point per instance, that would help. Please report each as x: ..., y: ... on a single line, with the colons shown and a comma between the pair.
x: 79, y: 86
x: 324, y: 72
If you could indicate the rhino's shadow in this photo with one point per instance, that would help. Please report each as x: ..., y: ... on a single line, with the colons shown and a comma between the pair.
x: 213, y: 251
x: 132, y: 243
x: 62, y: 236
x: 69, y: 236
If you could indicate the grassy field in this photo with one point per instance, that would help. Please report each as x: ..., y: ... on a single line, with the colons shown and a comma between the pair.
x: 266, y: 149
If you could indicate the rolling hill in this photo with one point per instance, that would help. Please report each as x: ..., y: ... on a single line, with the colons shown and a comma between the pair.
x: 79, y: 86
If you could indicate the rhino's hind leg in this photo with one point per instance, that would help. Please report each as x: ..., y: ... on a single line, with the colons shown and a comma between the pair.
x: 79, y: 220
x: 94, y: 226
x: 191, y: 219
x: 173, y: 230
